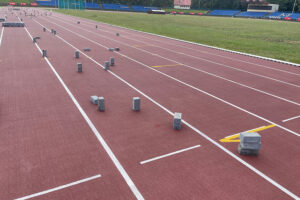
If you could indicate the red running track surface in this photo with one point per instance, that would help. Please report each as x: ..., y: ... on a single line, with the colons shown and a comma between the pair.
x: 46, y: 142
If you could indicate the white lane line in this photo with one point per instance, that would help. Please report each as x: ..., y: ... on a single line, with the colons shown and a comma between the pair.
x: 280, y: 187
x: 213, y: 62
x: 1, y: 36
x: 211, y: 74
x: 169, y: 154
x: 184, y: 83
x: 194, y: 43
x: 226, y: 57
x: 59, y: 187
x: 112, y: 156
x: 291, y: 118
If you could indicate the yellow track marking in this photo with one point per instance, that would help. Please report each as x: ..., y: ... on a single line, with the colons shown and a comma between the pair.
x: 233, y: 138
x: 167, y: 65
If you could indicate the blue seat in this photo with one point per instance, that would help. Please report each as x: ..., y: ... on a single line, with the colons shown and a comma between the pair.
x: 108, y: 6
x: 50, y: 3
x: 142, y: 8
x: 92, y: 5
x: 224, y: 12
x: 252, y: 14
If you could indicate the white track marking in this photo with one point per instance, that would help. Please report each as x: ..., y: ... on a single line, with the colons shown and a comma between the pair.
x: 169, y: 154
x: 95, y: 131
x: 211, y: 74
x: 1, y: 36
x: 280, y: 187
x: 226, y: 57
x: 291, y: 118
x: 197, y: 44
x: 216, y: 63
x: 186, y: 84
x: 59, y: 187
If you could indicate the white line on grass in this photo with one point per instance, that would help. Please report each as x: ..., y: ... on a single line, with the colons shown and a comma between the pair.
x: 291, y: 118
x: 1, y: 36
x: 182, y: 82
x: 169, y: 154
x: 280, y: 187
x: 59, y: 187
x: 213, y: 62
x: 201, y: 51
x: 95, y: 131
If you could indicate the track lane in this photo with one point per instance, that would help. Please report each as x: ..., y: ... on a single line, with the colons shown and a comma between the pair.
x: 241, y: 79
x: 192, y: 46
x: 44, y: 142
x: 270, y: 115
x: 93, y: 48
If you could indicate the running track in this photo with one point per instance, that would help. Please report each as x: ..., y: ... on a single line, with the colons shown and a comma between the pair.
x: 54, y: 144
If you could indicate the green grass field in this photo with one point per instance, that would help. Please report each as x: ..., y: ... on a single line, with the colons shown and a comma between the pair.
x: 274, y: 39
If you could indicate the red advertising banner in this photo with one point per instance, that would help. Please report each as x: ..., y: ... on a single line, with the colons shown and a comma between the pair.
x: 33, y: 4
x: 182, y: 2
x: 11, y: 3
x: 23, y: 4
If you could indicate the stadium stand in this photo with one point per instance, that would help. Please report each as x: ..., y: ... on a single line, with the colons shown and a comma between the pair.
x: 92, y: 6
x: 142, y: 8
x: 224, y: 12
x: 252, y: 14
x: 108, y: 6
x: 278, y: 15
x: 48, y: 3
x: 295, y: 16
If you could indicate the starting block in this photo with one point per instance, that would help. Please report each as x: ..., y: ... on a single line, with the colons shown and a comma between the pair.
x: 117, y: 34
x: 106, y: 65
x: 86, y: 49
x: 112, y: 61
x: 250, y: 143
x: 79, y: 67
x: 111, y: 49
x: 177, y: 121
x: 117, y: 49
x: 2, y: 20
x: 94, y: 99
x: 136, y: 103
x: 101, y: 104
x: 13, y: 24
x: 76, y: 54
x: 44, y: 53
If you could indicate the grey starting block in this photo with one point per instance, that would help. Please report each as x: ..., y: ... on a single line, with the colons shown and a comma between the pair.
x: 250, y: 143
x: 111, y: 49
x: 54, y: 32
x: 117, y: 49
x: 136, y: 103
x: 177, y: 121
x: 112, y: 61
x: 78, y: 22
x: 101, y: 104
x: 117, y: 34
x: 94, y: 99
x: 44, y: 29
x: 76, y: 54
x: 79, y: 67
x: 86, y: 49
x: 13, y: 24
x: 2, y: 19
x: 44, y: 53
x: 106, y: 65
x: 96, y: 26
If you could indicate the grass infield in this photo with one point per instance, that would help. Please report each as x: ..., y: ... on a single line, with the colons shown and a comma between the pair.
x: 274, y: 39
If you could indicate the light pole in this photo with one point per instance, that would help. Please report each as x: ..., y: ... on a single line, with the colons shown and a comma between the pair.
x: 294, y: 6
